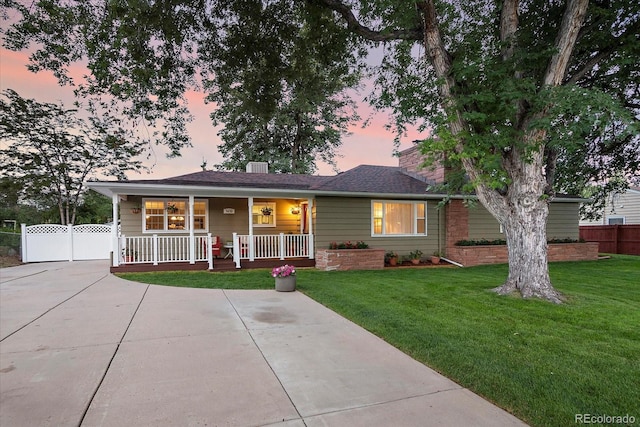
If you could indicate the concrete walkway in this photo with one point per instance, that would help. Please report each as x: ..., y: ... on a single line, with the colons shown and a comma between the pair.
x: 79, y: 346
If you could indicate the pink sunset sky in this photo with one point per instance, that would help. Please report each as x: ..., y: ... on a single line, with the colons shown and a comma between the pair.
x: 370, y: 145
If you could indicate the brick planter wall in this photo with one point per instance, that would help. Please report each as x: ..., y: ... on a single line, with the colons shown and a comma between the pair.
x: 479, y: 255
x: 349, y: 259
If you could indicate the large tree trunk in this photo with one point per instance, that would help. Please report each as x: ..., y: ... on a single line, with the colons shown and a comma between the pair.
x: 523, y: 213
x: 526, y: 234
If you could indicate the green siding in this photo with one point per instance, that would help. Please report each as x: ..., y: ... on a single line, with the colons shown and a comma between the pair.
x: 563, y: 221
x: 349, y: 219
x: 482, y: 225
x: 561, y: 224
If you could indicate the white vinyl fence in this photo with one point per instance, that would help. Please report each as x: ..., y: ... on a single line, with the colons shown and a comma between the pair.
x: 53, y: 242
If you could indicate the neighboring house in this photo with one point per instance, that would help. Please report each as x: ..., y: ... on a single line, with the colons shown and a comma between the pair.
x: 621, y: 208
x: 260, y: 215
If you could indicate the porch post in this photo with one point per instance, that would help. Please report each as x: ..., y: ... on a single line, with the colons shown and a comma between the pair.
x: 310, y: 221
x: 209, y: 251
x: 23, y: 240
x: 251, y: 251
x: 115, y: 243
x: 192, y: 238
x: 155, y: 249
x: 236, y: 250
x: 281, y: 244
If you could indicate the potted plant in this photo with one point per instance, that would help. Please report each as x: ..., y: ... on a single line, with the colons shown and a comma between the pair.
x: 285, y: 278
x: 391, y: 257
x: 136, y: 209
x: 130, y: 255
x: 435, y: 258
x: 172, y: 208
x: 266, y: 211
x: 415, y: 256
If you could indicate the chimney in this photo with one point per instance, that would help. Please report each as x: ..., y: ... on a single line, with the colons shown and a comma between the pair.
x: 411, y: 160
x: 257, y: 167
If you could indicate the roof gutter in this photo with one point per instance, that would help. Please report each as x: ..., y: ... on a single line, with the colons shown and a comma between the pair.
x: 111, y: 188
x: 161, y: 190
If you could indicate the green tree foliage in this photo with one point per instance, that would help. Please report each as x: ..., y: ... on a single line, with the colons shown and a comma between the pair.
x: 284, y: 101
x: 495, y: 76
x: 141, y: 56
x: 276, y: 70
x: 94, y: 208
x: 51, y: 152
x: 528, y: 97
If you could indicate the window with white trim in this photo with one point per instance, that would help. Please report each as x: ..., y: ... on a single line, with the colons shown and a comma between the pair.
x: 398, y: 218
x: 173, y: 215
x: 264, y: 214
x: 613, y: 220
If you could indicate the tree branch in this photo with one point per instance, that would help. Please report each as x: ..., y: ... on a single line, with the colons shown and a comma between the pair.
x: 508, y: 27
x: 572, y: 20
x: 377, y: 36
x: 435, y: 50
x: 603, y: 54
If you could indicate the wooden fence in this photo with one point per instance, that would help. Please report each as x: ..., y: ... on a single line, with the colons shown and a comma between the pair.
x: 614, y: 239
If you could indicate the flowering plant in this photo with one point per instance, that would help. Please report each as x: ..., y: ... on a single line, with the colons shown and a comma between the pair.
x: 283, y: 271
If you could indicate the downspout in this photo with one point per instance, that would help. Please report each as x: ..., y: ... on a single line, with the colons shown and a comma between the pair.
x: 452, y: 262
x: 442, y: 236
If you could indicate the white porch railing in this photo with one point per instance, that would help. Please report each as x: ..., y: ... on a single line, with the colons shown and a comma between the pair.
x: 160, y: 249
x: 264, y: 246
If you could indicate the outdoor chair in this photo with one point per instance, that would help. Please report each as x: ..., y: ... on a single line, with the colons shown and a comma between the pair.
x: 216, y: 246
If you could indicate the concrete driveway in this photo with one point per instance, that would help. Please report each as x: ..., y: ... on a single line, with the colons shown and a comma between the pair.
x: 79, y: 346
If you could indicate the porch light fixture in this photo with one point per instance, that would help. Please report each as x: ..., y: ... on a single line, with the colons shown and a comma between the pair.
x: 295, y: 210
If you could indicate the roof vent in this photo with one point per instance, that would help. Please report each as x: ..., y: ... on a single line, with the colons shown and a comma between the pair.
x: 257, y: 167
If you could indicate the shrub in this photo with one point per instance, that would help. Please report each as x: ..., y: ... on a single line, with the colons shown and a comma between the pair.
x: 349, y: 245
x: 496, y: 242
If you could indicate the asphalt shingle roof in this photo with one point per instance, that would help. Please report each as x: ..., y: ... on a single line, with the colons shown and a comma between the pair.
x: 361, y: 179
x: 375, y: 179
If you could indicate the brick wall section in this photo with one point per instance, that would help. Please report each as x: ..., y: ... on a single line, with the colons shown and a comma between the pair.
x: 573, y: 251
x: 411, y: 159
x: 478, y: 255
x: 349, y: 259
x: 481, y: 255
x: 457, y: 221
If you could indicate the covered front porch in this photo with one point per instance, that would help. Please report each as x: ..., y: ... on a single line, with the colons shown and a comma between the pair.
x: 213, y: 233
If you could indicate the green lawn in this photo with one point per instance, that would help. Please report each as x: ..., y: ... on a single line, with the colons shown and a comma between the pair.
x: 540, y: 361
